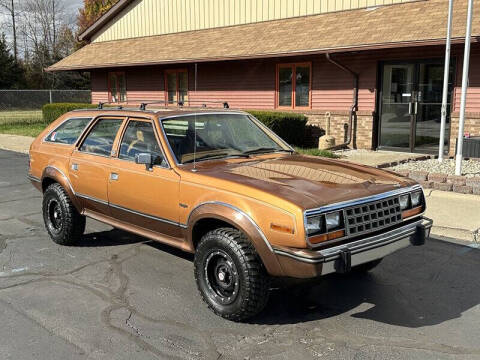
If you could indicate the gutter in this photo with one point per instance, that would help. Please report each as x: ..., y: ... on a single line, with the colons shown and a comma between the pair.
x: 353, y: 108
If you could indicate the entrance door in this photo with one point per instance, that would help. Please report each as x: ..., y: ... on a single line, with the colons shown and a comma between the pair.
x: 410, y: 106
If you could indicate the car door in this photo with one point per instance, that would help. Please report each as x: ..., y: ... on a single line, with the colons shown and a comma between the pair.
x: 90, y: 163
x: 145, y: 196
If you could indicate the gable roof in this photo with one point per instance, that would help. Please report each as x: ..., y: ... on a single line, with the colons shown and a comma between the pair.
x: 407, y: 24
x: 104, y: 19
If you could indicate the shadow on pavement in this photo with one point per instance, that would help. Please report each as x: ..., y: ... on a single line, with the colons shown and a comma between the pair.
x: 414, y: 287
x: 112, y: 237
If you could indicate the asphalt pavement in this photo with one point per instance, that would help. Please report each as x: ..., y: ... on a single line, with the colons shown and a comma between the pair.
x: 120, y: 296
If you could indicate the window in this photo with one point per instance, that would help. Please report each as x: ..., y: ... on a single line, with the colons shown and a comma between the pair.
x: 294, y: 85
x: 176, y: 86
x: 68, y: 132
x: 117, y: 87
x: 217, y: 136
x: 139, y: 138
x: 101, y: 137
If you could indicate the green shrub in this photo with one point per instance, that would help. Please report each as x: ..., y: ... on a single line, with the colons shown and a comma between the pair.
x: 289, y: 126
x: 51, y: 112
x: 316, y: 152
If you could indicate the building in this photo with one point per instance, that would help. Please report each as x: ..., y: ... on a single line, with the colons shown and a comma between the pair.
x: 383, y: 59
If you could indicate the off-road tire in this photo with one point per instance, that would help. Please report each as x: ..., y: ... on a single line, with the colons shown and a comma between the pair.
x: 253, y: 281
x: 363, y: 268
x: 71, y: 225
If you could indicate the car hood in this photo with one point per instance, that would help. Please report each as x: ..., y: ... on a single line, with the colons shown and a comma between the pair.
x: 306, y: 181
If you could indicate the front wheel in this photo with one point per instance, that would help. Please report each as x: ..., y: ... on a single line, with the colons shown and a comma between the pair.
x: 229, y: 274
x: 63, y: 222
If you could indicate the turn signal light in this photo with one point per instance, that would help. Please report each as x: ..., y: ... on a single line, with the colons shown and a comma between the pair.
x: 325, y: 237
x: 281, y: 228
x: 411, y: 212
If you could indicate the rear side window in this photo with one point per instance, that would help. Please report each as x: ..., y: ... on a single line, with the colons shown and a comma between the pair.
x: 68, y: 132
x: 140, y: 138
x: 100, y: 139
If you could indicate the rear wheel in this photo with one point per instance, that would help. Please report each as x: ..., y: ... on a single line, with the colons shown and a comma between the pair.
x: 63, y: 222
x: 363, y: 268
x: 229, y: 274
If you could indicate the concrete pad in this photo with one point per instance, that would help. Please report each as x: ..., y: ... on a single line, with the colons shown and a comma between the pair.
x: 454, y: 215
x: 15, y: 142
x: 375, y: 158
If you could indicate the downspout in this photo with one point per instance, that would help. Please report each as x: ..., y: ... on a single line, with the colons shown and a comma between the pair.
x: 354, y: 107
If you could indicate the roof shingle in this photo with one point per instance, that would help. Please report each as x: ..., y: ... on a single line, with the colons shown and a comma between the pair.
x: 420, y: 22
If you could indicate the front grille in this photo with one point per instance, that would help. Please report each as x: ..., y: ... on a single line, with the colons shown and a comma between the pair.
x: 372, y: 216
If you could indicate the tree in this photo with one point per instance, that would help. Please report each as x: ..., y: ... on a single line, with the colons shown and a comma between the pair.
x: 9, y: 6
x: 10, y: 71
x: 91, y: 11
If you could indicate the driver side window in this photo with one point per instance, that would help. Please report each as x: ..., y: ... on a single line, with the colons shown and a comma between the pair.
x: 140, y: 138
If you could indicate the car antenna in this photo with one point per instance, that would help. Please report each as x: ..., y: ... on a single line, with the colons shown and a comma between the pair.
x: 195, y: 128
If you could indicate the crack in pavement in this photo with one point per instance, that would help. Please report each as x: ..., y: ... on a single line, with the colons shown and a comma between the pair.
x: 117, y: 300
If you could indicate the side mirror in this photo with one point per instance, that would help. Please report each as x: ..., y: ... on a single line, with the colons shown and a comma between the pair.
x: 144, y: 158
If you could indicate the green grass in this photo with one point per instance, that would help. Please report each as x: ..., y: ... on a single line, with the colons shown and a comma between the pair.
x: 23, y: 128
x: 316, y: 152
x: 20, y: 116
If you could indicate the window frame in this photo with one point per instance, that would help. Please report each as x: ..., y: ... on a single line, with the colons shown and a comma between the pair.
x: 116, y: 154
x: 91, y: 126
x: 110, y: 95
x: 176, y: 72
x: 257, y: 122
x: 293, y: 66
x: 44, y: 140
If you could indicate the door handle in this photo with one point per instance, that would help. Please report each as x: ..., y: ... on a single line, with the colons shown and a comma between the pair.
x: 416, y: 107
x: 410, y: 108
x: 113, y: 176
x: 74, y: 167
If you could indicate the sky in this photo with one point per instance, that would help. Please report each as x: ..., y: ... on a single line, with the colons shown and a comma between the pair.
x: 71, y: 7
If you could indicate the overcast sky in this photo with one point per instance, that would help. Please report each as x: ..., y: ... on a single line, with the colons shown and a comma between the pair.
x: 71, y: 7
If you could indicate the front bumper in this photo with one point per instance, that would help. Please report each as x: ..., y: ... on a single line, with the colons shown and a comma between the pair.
x: 306, y: 263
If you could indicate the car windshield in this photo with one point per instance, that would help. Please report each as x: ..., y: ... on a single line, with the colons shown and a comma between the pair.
x: 221, y: 135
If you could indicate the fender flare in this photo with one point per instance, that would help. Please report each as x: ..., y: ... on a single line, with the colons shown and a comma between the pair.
x: 240, y: 220
x: 54, y: 173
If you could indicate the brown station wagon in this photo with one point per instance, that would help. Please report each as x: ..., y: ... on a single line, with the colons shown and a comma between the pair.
x: 221, y: 185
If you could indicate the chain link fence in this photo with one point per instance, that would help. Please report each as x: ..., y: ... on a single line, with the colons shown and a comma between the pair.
x: 25, y: 106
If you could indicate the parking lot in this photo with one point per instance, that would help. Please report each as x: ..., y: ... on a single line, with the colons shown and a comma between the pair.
x: 119, y: 296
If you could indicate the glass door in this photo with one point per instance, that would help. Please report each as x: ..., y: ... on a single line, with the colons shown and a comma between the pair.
x: 396, y: 106
x: 428, y: 107
x: 410, y: 106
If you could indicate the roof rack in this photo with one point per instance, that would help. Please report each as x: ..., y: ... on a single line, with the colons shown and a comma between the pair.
x: 204, y: 103
x: 143, y: 106
x: 100, y: 105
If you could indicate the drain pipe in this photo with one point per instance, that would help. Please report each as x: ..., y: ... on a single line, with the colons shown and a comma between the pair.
x: 354, y: 106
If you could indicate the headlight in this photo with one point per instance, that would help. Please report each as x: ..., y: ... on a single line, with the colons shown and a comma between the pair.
x: 415, y: 198
x: 314, y: 224
x: 332, y: 220
x: 404, y: 201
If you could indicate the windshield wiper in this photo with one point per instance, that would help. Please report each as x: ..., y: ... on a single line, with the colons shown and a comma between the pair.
x: 217, y: 156
x: 262, y: 150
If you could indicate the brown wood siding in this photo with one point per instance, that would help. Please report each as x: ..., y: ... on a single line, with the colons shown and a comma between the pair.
x: 473, y: 93
x: 144, y: 84
x: 251, y: 84
x: 99, y: 86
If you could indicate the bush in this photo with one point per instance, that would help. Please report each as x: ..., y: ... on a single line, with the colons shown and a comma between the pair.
x: 289, y: 126
x: 51, y: 112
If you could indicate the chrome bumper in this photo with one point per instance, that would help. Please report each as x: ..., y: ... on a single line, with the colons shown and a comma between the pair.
x: 343, y: 257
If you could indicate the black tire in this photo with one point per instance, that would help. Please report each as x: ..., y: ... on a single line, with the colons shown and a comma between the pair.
x: 243, y: 291
x: 363, y: 268
x: 63, y: 222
